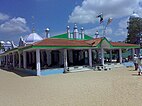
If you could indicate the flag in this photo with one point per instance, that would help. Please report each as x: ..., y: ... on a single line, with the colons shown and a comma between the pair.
x: 109, y: 21
x: 101, y: 17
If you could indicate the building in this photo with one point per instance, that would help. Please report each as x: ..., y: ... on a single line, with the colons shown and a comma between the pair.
x: 68, y: 52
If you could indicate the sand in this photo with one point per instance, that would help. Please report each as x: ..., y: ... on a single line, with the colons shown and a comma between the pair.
x: 118, y: 87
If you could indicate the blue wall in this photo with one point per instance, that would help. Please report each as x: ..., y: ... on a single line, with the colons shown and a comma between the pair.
x: 43, y: 72
x: 32, y: 72
x: 28, y: 71
x: 52, y: 71
x: 129, y: 64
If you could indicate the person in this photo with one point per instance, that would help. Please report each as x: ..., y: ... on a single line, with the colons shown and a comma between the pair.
x: 140, y: 65
x: 136, y: 61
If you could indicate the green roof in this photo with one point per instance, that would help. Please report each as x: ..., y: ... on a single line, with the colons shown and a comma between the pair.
x: 65, y: 36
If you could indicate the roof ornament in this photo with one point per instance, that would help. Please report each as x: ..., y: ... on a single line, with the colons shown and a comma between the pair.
x: 68, y: 27
x: 75, y: 32
x: 47, y: 32
x: 96, y: 34
x: 82, y: 33
x: 75, y: 26
x: 68, y: 31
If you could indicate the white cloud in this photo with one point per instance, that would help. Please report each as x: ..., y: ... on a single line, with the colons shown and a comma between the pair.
x: 121, y: 32
x: 14, y: 26
x: 138, y: 10
x: 122, y: 28
x: 116, y: 34
x: 3, y: 17
x: 123, y: 23
x: 100, y: 29
x: 89, y: 9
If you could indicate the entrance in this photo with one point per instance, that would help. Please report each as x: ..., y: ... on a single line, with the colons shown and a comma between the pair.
x: 80, y: 57
x: 55, y: 58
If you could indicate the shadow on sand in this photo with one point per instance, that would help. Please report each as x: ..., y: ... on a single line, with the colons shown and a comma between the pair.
x: 18, y: 72
x: 135, y: 75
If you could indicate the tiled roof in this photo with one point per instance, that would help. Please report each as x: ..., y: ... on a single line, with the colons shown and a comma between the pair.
x: 122, y: 44
x: 94, y: 42
x: 61, y: 42
x: 88, y: 43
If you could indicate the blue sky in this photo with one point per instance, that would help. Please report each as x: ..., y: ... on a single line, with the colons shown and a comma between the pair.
x: 16, y: 16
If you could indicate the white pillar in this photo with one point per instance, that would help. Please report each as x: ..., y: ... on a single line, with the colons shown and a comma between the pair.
x: 13, y: 59
x: 120, y: 55
x: 19, y: 59
x: 24, y: 60
x: 38, y: 61
x: 65, y: 60
x: 110, y: 55
x: 102, y: 56
x: 133, y: 52
x: 90, y: 57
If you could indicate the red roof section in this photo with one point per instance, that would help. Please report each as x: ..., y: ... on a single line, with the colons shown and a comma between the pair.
x: 86, y: 43
x: 94, y: 42
x: 61, y: 42
x: 122, y: 44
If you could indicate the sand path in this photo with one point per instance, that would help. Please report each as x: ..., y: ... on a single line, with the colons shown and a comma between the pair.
x: 118, y: 87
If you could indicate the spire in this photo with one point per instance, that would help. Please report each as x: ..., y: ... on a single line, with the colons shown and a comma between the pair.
x: 96, y: 34
x: 47, y: 32
x: 82, y: 33
x: 13, y: 45
x: 68, y: 31
x: 75, y: 32
x: 21, y: 41
x: 75, y: 26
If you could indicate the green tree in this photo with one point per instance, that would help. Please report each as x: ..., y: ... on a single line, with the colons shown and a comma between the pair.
x: 134, y: 30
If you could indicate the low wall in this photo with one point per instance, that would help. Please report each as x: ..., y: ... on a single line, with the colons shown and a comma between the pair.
x: 52, y: 71
x: 129, y: 64
x: 28, y: 71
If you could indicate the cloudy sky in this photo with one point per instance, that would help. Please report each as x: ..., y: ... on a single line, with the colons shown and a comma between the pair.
x: 16, y: 17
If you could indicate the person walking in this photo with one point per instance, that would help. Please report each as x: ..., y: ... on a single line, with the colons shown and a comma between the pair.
x: 135, y: 61
x: 140, y: 65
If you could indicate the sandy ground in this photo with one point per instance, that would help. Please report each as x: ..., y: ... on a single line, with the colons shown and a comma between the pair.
x: 118, y: 87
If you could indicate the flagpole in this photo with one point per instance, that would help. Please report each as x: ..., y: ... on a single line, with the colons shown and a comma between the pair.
x: 104, y: 26
x: 108, y: 22
x: 104, y: 30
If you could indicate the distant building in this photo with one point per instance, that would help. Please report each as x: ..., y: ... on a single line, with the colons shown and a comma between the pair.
x: 135, y: 29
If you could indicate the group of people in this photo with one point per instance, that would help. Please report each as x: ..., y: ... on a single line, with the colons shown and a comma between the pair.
x: 138, y: 63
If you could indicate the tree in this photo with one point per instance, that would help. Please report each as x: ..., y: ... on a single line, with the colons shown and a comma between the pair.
x: 134, y: 30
